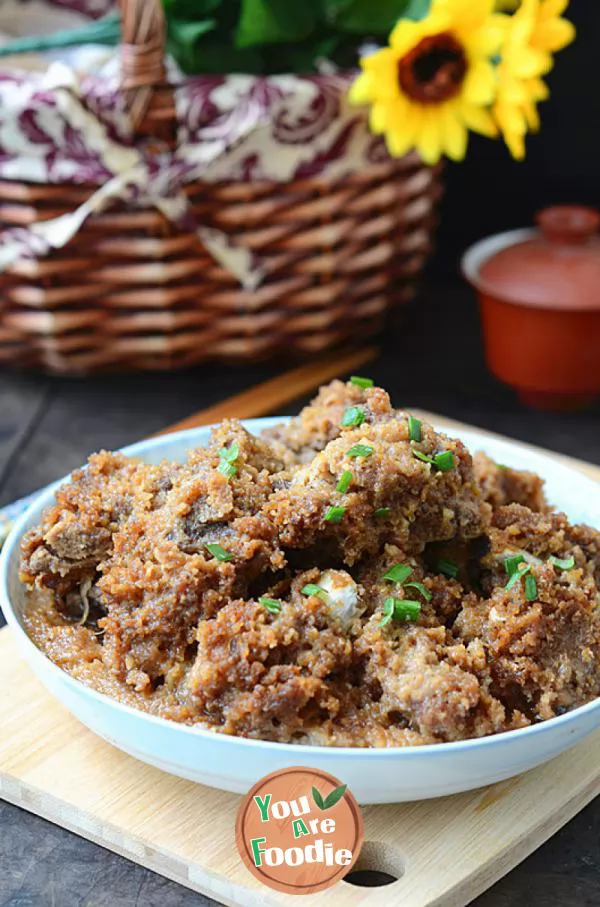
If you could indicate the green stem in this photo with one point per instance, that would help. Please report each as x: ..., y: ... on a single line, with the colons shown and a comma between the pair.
x: 104, y: 31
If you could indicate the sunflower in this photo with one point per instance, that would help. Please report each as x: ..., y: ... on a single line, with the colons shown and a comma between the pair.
x: 435, y: 81
x: 532, y: 35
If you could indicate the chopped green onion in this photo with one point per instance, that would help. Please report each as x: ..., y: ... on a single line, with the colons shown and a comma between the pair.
x: 398, y: 573
x: 448, y: 568
x: 271, y: 604
x: 500, y: 466
x: 512, y: 563
x: 344, y: 482
x: 334, y: 514
x: 314, y: 589
x: 219, y: 553
x: 361, y: 382
x: 353, y: 417
x: 531, y: 591
x: 423, y: 457
x: 360, y: 450
x: 230, y: 454
x: 227, y: 469
x: 382, y: 511
x: 566, y: 564
x: 420, y: 588
x: 400, y: 609
x: 228, y: 457
x: 388, y: 611
x: 443, y: 461
x: 414, y: 429
x: 517, y: 575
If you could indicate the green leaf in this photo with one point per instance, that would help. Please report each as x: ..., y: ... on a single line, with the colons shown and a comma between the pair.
x: 420, y: 588
x: 368, y: 17
x: 318, y: 798
x: 220, y: 58
x: 398, y: 573
x: 190, y: 9
x: 335, y: 796
x: 417, y: 9
x: 183, y: 40
x: 274, y: 22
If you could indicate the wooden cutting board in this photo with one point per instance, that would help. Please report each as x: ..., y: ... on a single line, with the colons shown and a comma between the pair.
x: 445, y: 851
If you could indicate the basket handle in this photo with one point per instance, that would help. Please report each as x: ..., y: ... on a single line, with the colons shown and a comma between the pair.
x: 149, y: 98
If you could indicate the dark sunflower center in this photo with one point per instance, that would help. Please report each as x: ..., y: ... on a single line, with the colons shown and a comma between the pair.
x: 434, y: 70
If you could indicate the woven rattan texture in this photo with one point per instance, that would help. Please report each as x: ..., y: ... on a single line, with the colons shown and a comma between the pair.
x: 131, y: 291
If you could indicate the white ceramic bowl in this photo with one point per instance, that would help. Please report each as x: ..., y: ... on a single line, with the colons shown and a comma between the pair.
x: 235, y: 764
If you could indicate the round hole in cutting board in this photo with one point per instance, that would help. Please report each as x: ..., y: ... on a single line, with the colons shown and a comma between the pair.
x: 378, y: 865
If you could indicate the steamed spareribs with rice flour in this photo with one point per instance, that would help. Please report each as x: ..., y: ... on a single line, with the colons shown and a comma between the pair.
x: 352, y: 577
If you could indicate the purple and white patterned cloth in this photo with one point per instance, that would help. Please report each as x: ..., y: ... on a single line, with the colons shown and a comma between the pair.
x: 59, y: 127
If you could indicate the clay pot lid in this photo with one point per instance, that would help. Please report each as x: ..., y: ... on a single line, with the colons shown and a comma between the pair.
x: 556, y: 267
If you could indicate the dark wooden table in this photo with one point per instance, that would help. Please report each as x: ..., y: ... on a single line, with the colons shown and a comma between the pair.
x: 431, y: 357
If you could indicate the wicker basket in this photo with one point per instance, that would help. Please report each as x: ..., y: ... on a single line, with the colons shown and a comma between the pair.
x: 133, y: 291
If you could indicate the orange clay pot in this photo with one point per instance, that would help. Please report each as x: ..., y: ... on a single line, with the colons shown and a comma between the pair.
x: 539, y: 294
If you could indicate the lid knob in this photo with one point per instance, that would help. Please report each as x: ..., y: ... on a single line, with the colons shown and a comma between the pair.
x: 569, y: 223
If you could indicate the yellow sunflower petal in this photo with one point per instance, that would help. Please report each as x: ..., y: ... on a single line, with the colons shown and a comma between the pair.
x: 480, y: 84
x: 382, y: 67
x: 428, y: 140
x: 477, y: 119
x: 405, y: 122
x: 466, y: 14
x: 487, y: 40
x: 362, y: 89
x: 378, y: 117
x: 516, y: 144
x: 553, y: 35
x: 454, y: 133
x: 513, y: 129
x: 551, y: 9
x: 405, y: 36
x: 528, y: 62
x: 532, y: 117
x: 540, y: 91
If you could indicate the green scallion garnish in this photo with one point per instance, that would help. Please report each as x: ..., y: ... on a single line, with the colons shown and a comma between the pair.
x: 344, y: 482
x: 414, y: 429
x: 420, y: 588
x: 447, y: 567
x: 398, y: 573
x: 360, y: 450
x: 400, y: 609
x: 518, y: 575
x: 531, y: 591
x: 443, y: 461
x: 353, y: 417
x: 562, y: 564
x: 272, y: 605
x: 422, y: 456
x: 228, y: 456
x: 314, y: 589
x: 512, y: 564
x: 334, y: 514
x: 382, y: 511
x: 361, y: 382
x: 219, y: 553
x: 227, y: 469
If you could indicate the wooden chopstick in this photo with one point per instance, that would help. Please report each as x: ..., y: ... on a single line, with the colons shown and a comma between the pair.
x: 271, y: 395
